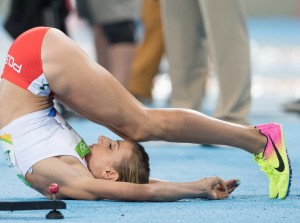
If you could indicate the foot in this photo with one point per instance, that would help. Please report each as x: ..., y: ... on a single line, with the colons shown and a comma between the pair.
x: 274, y: 160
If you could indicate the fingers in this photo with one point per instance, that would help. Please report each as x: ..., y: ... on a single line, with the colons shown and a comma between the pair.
x: 230, y: 184
x: 218, y: 190
x: 222, y: 195
x: 233, y: 183
x: 218, y: 195
x: 221, y: 189
x: 217, y: 182
x: 220, y: 184
x: 224, y: 188
x: 223, y: 185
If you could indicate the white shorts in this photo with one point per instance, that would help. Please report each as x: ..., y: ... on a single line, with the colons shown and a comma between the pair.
x: 37, y: 136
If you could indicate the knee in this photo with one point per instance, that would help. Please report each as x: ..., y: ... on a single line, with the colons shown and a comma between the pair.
x: 120, y: 32
x: 145, y: 127
x: 152, y: 126
x: 141, y: 133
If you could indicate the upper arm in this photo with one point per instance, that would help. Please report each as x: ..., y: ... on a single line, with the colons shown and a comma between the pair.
x: 95, y: 189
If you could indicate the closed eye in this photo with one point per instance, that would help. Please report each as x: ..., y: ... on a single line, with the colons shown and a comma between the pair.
x: 110, y: 146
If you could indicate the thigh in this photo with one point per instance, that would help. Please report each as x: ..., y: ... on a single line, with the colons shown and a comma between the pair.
x: 88, y: 88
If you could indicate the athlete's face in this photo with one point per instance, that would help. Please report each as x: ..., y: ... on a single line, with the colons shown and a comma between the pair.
x: 105, y: 154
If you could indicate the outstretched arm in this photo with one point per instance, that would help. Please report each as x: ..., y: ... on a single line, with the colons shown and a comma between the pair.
x: 94, y: 189
x: 81, y: 185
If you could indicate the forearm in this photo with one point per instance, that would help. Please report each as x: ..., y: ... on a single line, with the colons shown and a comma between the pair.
x: 166, y: 191
x: 209, y: 188
x: 161, y: 191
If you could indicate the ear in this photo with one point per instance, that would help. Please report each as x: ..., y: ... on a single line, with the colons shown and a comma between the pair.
x: 110, y: 174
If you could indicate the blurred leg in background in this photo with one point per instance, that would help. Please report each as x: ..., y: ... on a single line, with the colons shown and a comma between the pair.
x: 193, y: 28
x: 149, y: 52
x: 114, y: 28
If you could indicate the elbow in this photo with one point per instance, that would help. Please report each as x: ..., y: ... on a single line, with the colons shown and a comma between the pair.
x: 148, y: 126
x: 140, y: 132
x: 152, y: 127
x: 140, y: 135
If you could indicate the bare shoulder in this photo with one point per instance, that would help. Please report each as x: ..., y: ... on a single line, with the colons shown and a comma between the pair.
x: 62, y: 170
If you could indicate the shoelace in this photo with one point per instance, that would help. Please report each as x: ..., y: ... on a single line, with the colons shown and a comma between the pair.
x: 265, y: 166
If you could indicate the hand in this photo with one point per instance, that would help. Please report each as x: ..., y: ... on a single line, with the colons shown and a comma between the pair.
x: 218, y: 188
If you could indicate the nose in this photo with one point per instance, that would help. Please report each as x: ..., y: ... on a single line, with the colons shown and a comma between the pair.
x: 103, y: 139
x: 100, y: 139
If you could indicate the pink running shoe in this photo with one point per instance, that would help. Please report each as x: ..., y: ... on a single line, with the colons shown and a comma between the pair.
x: 274, y: 161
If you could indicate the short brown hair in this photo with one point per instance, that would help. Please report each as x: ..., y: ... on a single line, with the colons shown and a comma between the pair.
x: 134, y: 168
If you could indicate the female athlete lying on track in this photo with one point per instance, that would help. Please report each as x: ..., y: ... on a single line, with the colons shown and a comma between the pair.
x: 42, y: 64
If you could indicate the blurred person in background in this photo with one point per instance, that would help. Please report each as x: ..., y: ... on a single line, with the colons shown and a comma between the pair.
x: 26, y: 14
x: 149, y: 52
x: 192, y: 26
x: 113, y: 22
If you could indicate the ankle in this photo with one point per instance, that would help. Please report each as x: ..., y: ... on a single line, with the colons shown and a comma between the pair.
x: 261, y: 142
